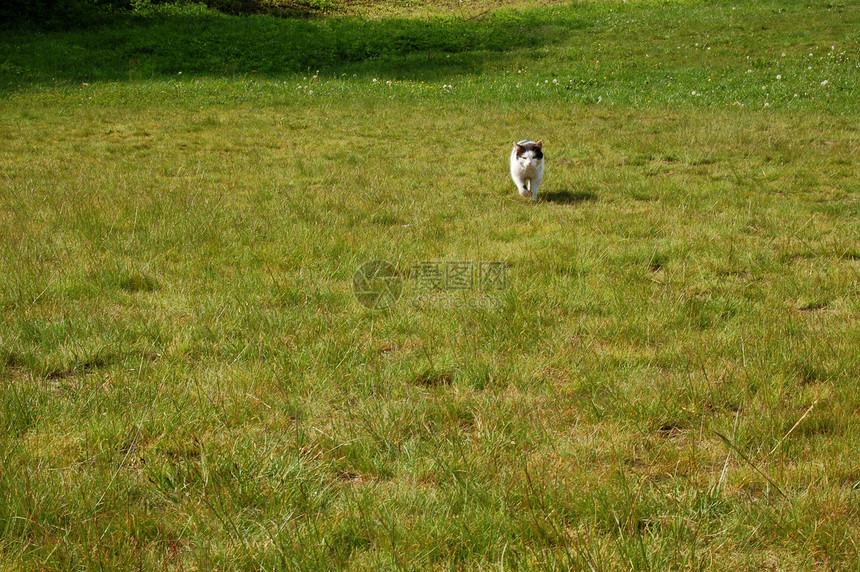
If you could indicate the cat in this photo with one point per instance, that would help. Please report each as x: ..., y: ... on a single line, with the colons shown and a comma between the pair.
x: 527, y: 167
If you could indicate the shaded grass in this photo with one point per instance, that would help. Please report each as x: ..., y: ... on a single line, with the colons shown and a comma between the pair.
x: 796, y: 55
x: 669, y: 379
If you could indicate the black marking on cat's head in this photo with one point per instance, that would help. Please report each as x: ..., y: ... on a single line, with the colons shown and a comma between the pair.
x: 528, y: 145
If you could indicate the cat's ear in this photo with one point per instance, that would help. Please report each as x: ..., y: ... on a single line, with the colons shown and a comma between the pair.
x: 539, y: 144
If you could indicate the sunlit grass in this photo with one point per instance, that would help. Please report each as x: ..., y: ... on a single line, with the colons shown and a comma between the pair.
x: 669, y: 379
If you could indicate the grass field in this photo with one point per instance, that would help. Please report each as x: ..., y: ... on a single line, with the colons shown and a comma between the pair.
x: 667, y: 378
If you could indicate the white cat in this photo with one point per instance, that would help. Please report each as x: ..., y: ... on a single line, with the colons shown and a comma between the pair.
x: 527, y: 167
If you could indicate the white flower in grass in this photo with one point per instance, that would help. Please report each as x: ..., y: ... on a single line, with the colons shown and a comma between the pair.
x: 825, y: 82
x: 375, y: 80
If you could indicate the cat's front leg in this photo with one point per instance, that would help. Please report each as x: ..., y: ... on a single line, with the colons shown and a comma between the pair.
x: 534, y: 184
x: 522, y: 185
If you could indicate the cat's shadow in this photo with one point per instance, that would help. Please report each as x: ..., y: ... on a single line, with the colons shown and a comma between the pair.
x: 565, y: 197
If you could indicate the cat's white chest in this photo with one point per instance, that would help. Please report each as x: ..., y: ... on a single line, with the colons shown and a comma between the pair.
x: 529, y: 170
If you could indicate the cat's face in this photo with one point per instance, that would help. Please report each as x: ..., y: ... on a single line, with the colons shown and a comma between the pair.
x: 529, y: 154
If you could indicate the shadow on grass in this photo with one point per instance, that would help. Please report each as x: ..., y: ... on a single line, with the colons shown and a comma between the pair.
x: 566, y: 197
x: 208, y: 43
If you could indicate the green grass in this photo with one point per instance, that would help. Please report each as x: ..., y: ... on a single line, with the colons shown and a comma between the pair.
x: 669, y: 380
x: 792, y: 55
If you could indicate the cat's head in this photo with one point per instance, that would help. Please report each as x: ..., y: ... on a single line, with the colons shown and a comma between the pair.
x: 529, y: 153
